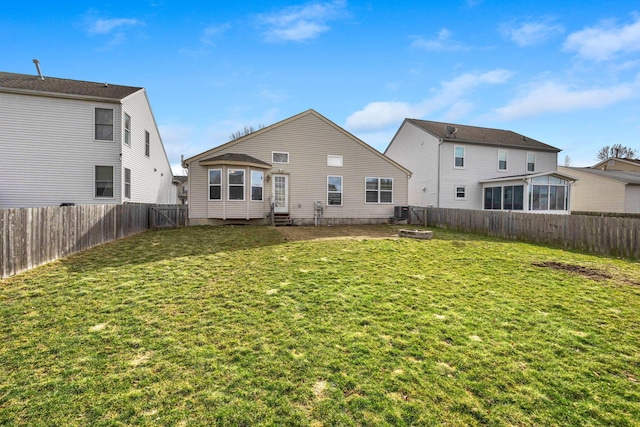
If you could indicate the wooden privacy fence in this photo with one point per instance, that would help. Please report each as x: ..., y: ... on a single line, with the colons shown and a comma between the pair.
x: 167, y: 216
x: 34, y: 236
x: 601, y: 235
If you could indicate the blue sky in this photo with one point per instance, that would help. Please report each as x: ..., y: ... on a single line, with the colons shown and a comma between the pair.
x: 564, y: 72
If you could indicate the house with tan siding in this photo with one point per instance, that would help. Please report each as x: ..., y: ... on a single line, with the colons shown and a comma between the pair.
x: 618, y: 164
x: 469, y: 167
x: 76, y: 142
x: 610, y: 190
x: 304, y: 170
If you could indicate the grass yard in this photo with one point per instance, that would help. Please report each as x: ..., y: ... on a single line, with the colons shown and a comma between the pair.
x: 238, y: 326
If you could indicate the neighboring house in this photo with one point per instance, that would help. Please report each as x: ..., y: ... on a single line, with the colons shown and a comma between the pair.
x: 182, y: 183
x: 618, y: 164
x: 604, y: 190
x: 469, y: 167
x: 76, y: 142
x: 305, y: 169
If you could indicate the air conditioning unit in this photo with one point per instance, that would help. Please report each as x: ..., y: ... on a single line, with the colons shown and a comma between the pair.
x: 401, y: 212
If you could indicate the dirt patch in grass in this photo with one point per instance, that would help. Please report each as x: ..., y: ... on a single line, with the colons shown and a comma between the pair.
x: 338, y: 232
x: 590, y: 273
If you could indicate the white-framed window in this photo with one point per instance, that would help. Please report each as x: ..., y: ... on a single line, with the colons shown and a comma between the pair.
x: 334, y: 190
x: 459, y: 154
x: 531, y: 162
x: 215, y: 184
x: 127, y: 183
x: 103, y: 120
x: 235, y: 184
x: 378, y: 190
x: 103, y: 177
x: 509, y: 197
x: 147, y: 143
x: 502, y: 160
x: 461, y: 192
x: 548, y: 193
x: 336, y: 161
x: 279, y: 157
x: 127, y: 129
x: 257, y: 186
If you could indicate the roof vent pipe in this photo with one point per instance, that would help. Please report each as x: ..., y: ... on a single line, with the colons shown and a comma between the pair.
x: 35, y: 61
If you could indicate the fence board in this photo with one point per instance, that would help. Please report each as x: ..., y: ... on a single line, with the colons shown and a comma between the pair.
x: 613, y: 236
x: 35, y: 236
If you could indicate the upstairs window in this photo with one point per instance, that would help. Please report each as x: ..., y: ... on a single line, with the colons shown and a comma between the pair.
x: 104, y: 124
x: 235, y: 184
x: 379, y: 190
x: 502, y: 160
x: 104, y: 181
x: 531, y: 162
x: 459, y: 157
x: 127, y: 130
x: 279, y: 157
x: 334, y: 190
x: 215, y: 184
x: 147, y: 143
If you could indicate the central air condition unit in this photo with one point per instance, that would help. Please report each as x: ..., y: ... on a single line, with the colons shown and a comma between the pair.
x: 401, y: 212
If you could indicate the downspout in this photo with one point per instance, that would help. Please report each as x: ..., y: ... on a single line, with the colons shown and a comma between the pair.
x: 439, y: 166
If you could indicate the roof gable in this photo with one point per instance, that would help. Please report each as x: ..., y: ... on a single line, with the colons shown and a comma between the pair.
x: 51, y: 86
x: 634, y: 162
x: 245, y: 138
x: 626, y: 177
x: 479, y: 135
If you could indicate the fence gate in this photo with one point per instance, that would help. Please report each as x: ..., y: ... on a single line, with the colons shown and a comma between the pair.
x: 172, y: 216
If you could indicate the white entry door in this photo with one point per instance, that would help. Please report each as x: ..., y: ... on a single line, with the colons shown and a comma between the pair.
x: 280, y: 193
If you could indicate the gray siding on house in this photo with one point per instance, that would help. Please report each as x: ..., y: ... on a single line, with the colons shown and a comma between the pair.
x: 151, y: 177
x: 49, y: 151
x: 434, y: 175
x: 309, y: 139
x: 632, y: 199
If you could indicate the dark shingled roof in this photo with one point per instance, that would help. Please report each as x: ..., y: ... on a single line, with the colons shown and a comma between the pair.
x: 233, y: 157
x: 480, y: 135
x: 11, y: 82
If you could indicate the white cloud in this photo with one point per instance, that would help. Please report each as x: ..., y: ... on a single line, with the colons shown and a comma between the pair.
x: 213, y: 31
x: 450, y: 95
x: 442, y: 42
x: 605, y: 41
x: 300, y: 23
x: 531, y: 33
x: 552, y: 97
x: 107, y: 26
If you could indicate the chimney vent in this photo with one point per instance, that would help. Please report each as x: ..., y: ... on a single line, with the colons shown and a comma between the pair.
x: 35, y: 61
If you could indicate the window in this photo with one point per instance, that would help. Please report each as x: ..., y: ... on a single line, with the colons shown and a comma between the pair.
x: 493, y: 198
x: 531, y: 162
x: 236, y: 184
x: 334, y: 161
x: 104, y: 124
x: 215, y: 184
x: 334, y: 190
x: 459, y: 157
x: 513, y: 197
x: 502, y: 160
x: 257, y: 185
x: 461, y: 192
x: 279, y: 157
x: 104, y: 181
x: 548, y: 193
x: 127, y: 183
x: 127, y: 129
x: 379, y: 190
x: 147, y: 143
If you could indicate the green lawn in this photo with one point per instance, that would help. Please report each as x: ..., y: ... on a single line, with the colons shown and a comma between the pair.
x: 234, y: 326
